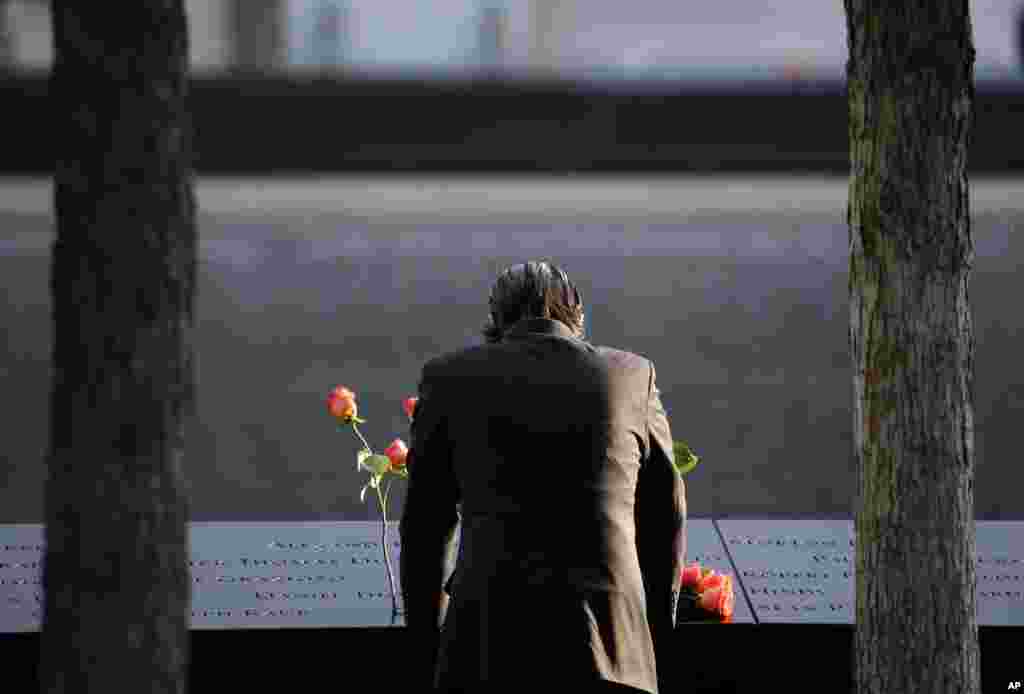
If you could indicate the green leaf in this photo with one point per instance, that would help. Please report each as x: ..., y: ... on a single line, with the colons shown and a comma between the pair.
x: 361, y: 456
x: 685, y: 460
x: 358, y: 421
x: 362, y: 494
x: 375, y: 464
x: 683, y: 469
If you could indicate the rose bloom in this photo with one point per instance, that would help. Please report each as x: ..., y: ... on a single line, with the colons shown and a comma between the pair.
x: 719, y: 600
x: 397, y: 453
x: 341, y: 403
x: 409, y: 405
x: 691, y: 576
x: 702, y: 583
x: 716, y: 581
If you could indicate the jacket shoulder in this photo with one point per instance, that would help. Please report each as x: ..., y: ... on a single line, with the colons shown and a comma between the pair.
x: 445, y: 361
x: 622, y: 358
x: 619, y: 358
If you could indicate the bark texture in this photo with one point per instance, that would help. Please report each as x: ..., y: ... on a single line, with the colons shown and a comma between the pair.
x: 910, y: 81
x: 115, y: 572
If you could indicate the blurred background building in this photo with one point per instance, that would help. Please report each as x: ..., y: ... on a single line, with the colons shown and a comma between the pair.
x: 728, y: 40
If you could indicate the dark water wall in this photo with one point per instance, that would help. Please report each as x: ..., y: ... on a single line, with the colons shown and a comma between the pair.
x: 743, y: 313
x: 264, y: 126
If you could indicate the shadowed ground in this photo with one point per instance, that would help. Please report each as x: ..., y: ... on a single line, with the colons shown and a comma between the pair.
x: 736, y: 288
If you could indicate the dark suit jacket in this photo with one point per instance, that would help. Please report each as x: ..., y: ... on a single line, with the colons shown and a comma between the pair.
x: 573, y: 516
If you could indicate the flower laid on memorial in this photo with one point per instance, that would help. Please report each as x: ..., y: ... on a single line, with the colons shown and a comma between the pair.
x: 691, y: 575
x: 341, y: 404
x: 705, y: 594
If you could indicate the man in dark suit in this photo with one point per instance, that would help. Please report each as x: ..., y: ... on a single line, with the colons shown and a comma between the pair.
x: 556, y: 457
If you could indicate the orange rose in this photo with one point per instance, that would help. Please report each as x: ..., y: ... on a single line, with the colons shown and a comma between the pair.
x: 691, y: 576
x: 397, y: 453
x: 719, y: 600
x: 409, y: 405
x: 705, y: 574
x: 341, y: 403
x: 716, y: 581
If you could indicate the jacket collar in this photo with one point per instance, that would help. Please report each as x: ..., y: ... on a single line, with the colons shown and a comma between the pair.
x: 539, y: 326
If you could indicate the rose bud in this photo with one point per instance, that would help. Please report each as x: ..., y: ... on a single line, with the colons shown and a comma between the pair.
x: 341, y: 403
x: 720, y: 601
x: 690, y: 576
x: 409, y: 405
x: 397, y: 453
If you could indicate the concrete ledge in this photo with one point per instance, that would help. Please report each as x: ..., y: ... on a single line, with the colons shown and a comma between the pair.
x: 317, y: 575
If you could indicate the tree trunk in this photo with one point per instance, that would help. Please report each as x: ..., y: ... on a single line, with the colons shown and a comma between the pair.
x: 910, y: 81
x: 115, y: 572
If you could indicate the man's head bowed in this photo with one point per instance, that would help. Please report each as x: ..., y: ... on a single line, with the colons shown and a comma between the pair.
x: 535, y: 289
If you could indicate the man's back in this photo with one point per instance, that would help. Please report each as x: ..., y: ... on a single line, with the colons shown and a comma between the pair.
x: 544, y: 439
x: 548, y: 443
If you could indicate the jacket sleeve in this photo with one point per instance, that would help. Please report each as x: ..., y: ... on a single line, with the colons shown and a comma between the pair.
x: 661, y: 522
x: 429, y: 520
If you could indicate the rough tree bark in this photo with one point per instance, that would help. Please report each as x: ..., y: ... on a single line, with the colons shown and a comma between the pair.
x: 911, y: 94
x: 115, y: 573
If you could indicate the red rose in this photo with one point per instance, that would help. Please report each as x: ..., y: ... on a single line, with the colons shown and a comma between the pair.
x: 397, y: 453
x: 719, y: 600
x: 691, y: 576
x: 705, y: 574
x: 716, y: 581
x: 409, y: 405
x: 341, y: 403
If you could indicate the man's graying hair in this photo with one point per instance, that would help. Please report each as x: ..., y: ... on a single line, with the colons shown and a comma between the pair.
x: 533, y: 290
